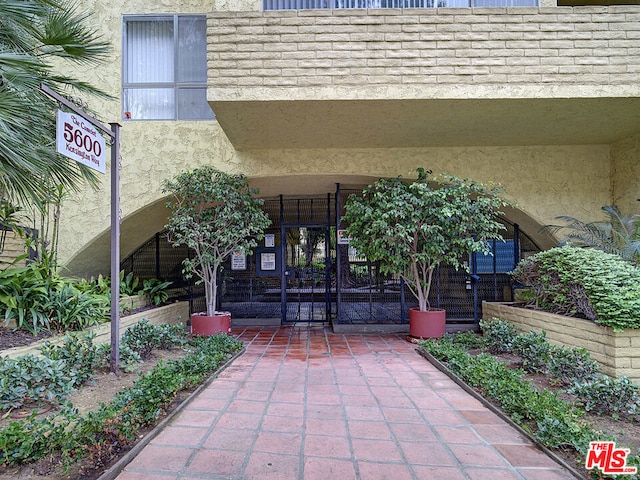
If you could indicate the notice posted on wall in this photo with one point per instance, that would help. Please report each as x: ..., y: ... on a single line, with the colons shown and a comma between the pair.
x: 238, y: 261
x: 268, y: 261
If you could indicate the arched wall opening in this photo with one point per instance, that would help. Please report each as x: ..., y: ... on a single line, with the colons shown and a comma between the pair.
x: 301, y: 272
x: 142, y: 225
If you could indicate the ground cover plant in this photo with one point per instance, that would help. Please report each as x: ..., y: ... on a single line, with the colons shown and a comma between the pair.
x: 557, y: 394
x: 88, y: 440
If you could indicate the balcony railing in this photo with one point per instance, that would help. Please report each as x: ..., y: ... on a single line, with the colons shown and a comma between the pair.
x: 339, y: 4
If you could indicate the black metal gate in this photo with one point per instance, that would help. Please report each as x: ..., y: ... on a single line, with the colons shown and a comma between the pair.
x: 306, y: 292
x: 304, y: 272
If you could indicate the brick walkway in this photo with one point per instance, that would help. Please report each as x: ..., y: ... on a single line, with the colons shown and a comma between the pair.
x: 304, y: 403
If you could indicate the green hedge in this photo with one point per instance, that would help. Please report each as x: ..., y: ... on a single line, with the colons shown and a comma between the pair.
x: 583, y: 283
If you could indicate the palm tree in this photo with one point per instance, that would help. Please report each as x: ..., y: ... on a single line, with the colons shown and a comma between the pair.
x: 38, y: 40
x: 617, y: 233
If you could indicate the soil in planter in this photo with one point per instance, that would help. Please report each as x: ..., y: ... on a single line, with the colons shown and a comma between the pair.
x: 626, y: 429
x: 100, y: 390
x: 19, y: 338
x: 10, y: 338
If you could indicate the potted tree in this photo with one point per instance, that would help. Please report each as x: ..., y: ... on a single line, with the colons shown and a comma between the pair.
x: 412, y: 228
x: 214, y: 214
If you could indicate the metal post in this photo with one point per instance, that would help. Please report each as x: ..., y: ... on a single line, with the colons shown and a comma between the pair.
x: 475, y: 281
x: 157, y: 256
x: 403, y: 303
x: 283, y: 268
x: 516, y: 254
x: 327, y: 262
x: 114, y: 132
x: 338, y: 260
x: 115, y: 248
x: 495, y: 269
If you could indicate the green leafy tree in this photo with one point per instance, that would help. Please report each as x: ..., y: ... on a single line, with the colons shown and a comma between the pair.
x: 214, y: 214
x: 618, y: 233
x: 38, y: 40
x: 412, y: 228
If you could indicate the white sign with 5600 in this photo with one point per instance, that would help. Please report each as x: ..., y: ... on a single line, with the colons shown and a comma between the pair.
x: 79, y: 140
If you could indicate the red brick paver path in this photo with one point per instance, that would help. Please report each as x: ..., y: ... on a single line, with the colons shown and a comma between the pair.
x: 304, y: 403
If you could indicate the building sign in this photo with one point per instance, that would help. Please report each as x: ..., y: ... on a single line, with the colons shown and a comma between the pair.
x: 343, y: 239
x: 238, y: 261
x: 79, y: 140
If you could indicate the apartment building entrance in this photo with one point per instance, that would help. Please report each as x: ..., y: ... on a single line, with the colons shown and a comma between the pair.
x: 302, y: 273
x: 307, y: 294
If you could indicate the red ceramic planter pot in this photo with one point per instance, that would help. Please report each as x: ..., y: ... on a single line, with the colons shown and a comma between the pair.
x: 429, y: 324
x: 202, y: 324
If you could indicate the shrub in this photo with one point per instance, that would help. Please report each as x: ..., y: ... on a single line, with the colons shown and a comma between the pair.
x: 33, y: 379
x: 499, y: 335
x: 563, y: 364
x: 129, y: 359
x: 143, y: 337
x: 534, y: 349
x: 24, y: 294
x: 155, y: 291
x: 99, y: 285
x: 568, y: 365
x: 468, y: 340
x: 37, y: 301
x: 70, y: 309
x: 584, y: 282
x: 606, y: 395
x: 169, y: 336
x: 128, y: 284
x: 78, y: 352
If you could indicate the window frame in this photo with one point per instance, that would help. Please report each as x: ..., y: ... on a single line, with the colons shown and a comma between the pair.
x: 175, y: 86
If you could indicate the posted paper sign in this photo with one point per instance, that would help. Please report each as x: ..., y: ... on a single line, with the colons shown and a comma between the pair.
x: 79, y: 140
x: 268, y: 261
x: 238, y: 261
x: 343, y: 238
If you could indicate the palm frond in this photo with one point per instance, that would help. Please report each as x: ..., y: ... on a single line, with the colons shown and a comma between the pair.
x: 618, y: 234
x: 34, y: 36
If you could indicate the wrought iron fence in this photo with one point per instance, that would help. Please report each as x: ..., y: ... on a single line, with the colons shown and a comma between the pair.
x: 349, y: 289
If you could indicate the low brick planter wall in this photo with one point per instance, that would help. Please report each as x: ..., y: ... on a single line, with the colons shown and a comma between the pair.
x: 132, y: 302
x: 171, y: 314
x: 618, y: 353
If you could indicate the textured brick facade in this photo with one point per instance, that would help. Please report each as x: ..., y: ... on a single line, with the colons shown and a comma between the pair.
x: 559, y: 46
x: 618, y: 353
x: 14, y: 246
x: 172, y: 314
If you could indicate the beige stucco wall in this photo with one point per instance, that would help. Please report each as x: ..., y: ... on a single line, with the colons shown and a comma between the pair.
x: 545, y: 181
x: 541, y: 180
x: 626, y: 174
